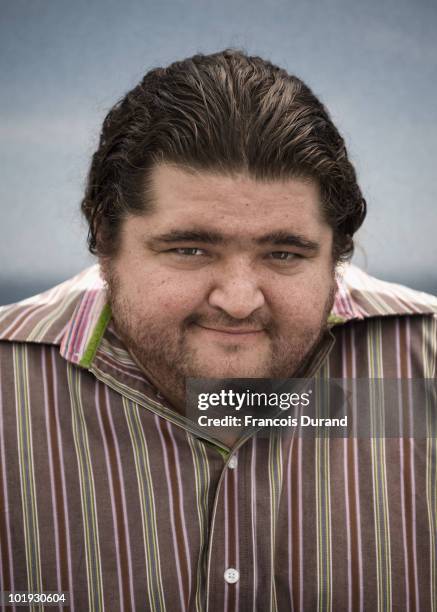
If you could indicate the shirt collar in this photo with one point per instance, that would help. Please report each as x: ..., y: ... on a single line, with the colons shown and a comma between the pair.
x: 358, y: 296
x: 361, y: 296
x: 88, y: 323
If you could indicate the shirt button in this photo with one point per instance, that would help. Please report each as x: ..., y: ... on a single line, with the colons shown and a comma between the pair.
x: 232, y: 575
x: 233, y: 461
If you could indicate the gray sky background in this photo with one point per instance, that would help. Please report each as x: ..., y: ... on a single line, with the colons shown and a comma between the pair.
x: 63, y: 64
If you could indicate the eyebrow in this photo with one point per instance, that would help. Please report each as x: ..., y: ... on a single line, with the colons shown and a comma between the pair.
x: 280, y: 238
x: 205, y: 237
x: 277, y: 238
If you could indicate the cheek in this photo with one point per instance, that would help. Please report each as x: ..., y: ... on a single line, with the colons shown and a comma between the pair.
x: 163, y: 297
x: 302, y: 303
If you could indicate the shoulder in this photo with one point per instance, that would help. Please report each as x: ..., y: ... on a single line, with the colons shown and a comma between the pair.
x: 368, y: 297
x: 45, y: 317
x: 390, y: 323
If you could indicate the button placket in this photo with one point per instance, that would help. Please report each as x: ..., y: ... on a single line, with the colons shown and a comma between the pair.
x: 224, y: 553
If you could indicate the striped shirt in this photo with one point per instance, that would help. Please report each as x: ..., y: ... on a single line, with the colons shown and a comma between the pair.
x: 110, y: 495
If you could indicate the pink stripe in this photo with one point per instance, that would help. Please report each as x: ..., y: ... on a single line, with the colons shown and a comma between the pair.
x: 237, y: 538
x: 226, y: 511
x: 61, y: 334
x: 72, y: 344
x: 24, y: 316
x: 182, y: 595
x: 34, y: 308
x: 111, y: 492
x: 346, y: 481
x: 125, y: 370
x: 51, y: 470
x: 290, y: 523
x: 356, y: 472
x: 83, y: 321
x: 412, y: 455
x: 181, y: 498
x: 254, y: 519
x: 402, y: 471
x: 53, y: 356
x: 299, y: 487
x: 348, y: 522
x: 343, y: 304
x: 123, y: 494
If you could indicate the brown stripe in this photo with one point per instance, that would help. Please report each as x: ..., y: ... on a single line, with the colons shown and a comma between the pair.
x: 56, y: 462
x: 349, y: 353
x: 22, y: 317
x: 121, y: 533
x: 406, y: 446
x: 4, y: 551
x: 180, y: 560
x: 295, y: 531
x: 232, y: 537
x: 409, y: 520
x: 110, y: 360
x: 352, y: 492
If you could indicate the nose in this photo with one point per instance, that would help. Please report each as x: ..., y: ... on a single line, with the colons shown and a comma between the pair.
x: 237, y: 292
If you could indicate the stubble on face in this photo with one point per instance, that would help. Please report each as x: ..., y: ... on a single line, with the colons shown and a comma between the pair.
x: 165, y: 356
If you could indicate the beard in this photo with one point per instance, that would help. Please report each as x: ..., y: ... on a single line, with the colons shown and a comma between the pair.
x: 164, y: 354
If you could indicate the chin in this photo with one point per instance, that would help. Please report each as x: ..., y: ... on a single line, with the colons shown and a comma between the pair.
x: 230, y: 370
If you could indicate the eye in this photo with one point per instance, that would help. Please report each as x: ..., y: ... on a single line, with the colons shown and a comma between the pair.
x: 284, y: 256
x: 187, y: 251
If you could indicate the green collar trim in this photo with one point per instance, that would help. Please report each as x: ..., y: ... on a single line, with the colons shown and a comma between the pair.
x: 96, y: 337
x: 334, y: 319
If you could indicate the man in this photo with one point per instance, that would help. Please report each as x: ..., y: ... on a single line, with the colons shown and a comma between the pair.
x: 221, y: 205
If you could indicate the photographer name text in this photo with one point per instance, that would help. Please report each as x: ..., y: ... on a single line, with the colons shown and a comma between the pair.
x: 252, y: 421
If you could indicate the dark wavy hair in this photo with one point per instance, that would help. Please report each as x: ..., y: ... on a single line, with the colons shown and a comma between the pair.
x: 226, y: 112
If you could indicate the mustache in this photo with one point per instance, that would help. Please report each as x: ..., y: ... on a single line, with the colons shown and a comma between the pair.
x: 224, y: 320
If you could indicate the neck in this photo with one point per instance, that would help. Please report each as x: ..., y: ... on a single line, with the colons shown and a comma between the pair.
x: 176, y: 399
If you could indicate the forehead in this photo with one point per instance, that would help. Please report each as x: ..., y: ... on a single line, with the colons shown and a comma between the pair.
x: 237, y: 204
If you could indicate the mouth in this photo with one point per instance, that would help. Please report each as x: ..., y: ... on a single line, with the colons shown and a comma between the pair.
x: 235, y: 332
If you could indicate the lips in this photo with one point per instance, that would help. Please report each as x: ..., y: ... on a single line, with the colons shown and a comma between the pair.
x: 233, y: 331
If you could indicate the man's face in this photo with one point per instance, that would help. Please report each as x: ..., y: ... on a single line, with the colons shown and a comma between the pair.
x: 224, y: 278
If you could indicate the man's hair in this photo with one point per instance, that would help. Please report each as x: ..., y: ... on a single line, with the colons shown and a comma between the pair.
x: 225, y: 113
